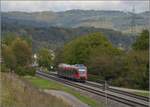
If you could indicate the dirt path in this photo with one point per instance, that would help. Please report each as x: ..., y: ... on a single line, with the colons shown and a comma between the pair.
x: 67, y: 98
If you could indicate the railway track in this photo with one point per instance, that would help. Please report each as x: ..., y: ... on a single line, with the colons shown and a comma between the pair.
x: 118, y: 91
x: 127, y: 100
x: 98, y: 85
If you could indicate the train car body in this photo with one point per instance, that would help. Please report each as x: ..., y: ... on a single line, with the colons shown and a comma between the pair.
x: 76, y: 72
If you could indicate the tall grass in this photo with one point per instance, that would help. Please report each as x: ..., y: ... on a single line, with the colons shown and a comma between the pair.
x: 15, y: 92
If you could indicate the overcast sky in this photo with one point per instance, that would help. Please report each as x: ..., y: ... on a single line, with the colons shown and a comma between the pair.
x: 30, y: 6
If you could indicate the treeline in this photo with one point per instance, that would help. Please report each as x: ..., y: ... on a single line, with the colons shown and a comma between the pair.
x: 17, y: 55
x: 105, y: 62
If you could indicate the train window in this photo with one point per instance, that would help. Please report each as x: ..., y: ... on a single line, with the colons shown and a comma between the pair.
x: 82, y: 69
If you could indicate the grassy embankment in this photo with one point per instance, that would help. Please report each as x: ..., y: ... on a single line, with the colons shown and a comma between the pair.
x: 15, y: 92
x: 146, y: 94
x: 47, y: 84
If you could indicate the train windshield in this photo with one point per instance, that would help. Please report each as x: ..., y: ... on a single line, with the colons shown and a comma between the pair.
x: 82, y: 69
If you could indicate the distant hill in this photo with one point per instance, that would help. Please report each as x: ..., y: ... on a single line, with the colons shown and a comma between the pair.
x: 54, y: 37
x: 117, y: 20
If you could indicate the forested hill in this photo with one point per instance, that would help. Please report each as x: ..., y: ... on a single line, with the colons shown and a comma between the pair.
x: 54, y: 37
x: 117, y: 20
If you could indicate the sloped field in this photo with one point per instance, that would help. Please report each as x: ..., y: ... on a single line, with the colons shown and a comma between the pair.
x: 15, y: 92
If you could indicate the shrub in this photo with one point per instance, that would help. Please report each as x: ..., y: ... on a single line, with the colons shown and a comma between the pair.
x: 4, y: 68
x: 30, y: 71
x: 22, y: 71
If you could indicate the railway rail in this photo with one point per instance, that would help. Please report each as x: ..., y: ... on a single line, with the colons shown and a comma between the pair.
x: 112, y: 89
x: 119, y: 97
x: 117, y: 91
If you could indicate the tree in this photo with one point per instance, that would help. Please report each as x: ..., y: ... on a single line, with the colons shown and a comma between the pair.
x: 58, y: 57
x: 8, y: 38
x: 17, y: 55
x: 139, y: 61
x: 80, y: 49
x: 142, y: 42
x: 44, y: 58
x: 8, y: 57
x: 138, y: 69
x: 22, y: 51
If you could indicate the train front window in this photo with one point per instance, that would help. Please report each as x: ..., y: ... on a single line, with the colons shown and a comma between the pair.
x: 81, y: 70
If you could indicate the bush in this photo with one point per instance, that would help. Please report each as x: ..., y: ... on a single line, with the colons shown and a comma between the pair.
x: 22, y: 71
x: 4, y: 68
x: 95, y: 78
x: 30, y: 71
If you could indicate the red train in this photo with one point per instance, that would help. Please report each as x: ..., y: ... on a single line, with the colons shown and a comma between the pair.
x: 76, y: 72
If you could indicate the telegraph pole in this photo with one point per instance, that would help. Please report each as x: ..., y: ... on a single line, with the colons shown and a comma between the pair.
x: 149, y: 17
x: 133, y: 20
x: 106, y: 102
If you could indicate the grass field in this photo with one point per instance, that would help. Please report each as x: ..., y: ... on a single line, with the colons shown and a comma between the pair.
x: 146, y: 94
x: 46, y: 84
x: 15, y: 92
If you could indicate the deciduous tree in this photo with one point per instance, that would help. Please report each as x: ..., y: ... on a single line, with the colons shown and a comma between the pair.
x: 45, y: 58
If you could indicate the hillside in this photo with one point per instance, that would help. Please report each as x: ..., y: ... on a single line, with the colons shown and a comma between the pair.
x: 117, y: 20
x: 54, y: 37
